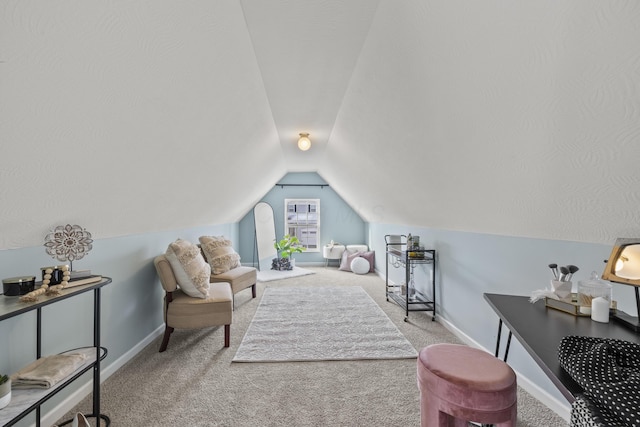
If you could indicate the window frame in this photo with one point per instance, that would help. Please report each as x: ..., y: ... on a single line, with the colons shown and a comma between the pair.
x: 288, y: 225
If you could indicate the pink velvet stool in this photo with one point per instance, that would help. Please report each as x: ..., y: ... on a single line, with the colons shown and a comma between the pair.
x: 459, y: 384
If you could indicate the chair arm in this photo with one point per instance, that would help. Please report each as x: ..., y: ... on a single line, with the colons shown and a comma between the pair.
x: 165, y: 272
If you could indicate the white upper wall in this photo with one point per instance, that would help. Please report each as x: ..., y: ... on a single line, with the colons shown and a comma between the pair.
x: 516, y: 118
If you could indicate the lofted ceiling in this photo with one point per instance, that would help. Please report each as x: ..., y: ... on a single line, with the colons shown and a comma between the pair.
x: 518, y: 118
x: 306, y: 52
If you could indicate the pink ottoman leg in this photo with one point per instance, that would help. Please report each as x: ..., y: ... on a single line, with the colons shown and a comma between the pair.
x: 514, y: 418
x: 432, y: 416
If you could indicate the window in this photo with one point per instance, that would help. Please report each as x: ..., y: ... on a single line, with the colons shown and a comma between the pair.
x: 302, y: 220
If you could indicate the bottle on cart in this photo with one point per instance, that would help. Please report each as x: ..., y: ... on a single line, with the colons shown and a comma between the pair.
x: 409, y: 242
x: 411, y: 290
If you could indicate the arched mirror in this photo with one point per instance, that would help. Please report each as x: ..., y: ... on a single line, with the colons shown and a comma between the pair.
x: 265, y: 228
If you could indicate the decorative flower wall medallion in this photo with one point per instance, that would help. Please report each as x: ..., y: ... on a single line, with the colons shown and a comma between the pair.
x: 68, y: 242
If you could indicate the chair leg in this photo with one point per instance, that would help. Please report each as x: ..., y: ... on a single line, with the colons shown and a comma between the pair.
x: 227, y: 335
x: 165, y: 341
x: 253, y: 290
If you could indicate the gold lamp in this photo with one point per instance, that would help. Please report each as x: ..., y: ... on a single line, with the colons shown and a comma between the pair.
x: 304, y: 143
x: 623, y: 266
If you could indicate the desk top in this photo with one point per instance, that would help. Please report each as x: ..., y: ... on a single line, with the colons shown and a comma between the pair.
x: 540, y: 329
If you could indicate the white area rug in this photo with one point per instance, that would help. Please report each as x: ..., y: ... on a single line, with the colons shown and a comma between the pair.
x: 269, y: 275
x: 321, y: 323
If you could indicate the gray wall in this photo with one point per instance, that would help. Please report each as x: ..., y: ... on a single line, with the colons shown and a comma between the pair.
x: 131, y: 304
x: 471, y: 264
x: 338, y: 221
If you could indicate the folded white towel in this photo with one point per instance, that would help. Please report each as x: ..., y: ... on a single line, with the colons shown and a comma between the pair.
x: 47, y: 371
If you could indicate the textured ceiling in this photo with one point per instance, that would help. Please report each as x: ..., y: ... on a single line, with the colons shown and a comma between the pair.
x: 517, y: 118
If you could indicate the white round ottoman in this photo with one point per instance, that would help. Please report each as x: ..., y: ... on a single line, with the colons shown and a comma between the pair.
x: 360, y: 265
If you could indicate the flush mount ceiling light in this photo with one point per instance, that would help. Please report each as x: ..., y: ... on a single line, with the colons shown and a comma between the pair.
x: 304, y: 143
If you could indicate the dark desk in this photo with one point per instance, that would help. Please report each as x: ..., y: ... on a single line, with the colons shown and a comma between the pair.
x: 539, y: 329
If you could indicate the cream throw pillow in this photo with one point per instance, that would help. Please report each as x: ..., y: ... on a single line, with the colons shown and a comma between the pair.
x: 219, y: 253
x: 191, y: 270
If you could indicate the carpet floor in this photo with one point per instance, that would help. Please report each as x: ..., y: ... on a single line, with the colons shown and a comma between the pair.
x: 194, y: 382
x: 272, y: 275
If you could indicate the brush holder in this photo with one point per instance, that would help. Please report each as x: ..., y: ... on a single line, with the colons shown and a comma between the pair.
x: 562, y: 289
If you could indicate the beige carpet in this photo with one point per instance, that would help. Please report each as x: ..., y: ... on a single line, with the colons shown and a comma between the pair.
x: 194, y: 383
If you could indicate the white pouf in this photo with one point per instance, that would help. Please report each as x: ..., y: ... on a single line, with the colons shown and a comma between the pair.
x: 360, y: 265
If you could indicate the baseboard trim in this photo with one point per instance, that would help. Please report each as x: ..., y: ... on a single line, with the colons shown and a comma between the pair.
x: 87, y: 387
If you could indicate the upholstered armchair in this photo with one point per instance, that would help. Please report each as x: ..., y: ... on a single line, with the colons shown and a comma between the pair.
x: 187, y: 312
x: 239, y: 278
x: 225, y: 265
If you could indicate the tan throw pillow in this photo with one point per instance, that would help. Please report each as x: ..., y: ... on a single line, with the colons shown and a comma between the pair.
x: 191, y: 270
x: 219, y: 253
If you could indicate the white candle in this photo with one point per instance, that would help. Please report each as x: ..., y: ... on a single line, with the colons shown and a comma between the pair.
x: 600, y: 310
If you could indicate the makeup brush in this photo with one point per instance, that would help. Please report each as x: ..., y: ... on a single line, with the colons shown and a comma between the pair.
x: 564, y: 273
x: 554, y: 270
x: 572, y: 269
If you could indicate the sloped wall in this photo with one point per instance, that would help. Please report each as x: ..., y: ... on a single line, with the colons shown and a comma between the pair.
x: 514, y: 118
x: 129, y: 118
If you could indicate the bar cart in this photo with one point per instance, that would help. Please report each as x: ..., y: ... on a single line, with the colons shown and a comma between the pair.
x: 398, y: 255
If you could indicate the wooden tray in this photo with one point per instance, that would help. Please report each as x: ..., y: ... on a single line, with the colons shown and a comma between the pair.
x: 571, y: 307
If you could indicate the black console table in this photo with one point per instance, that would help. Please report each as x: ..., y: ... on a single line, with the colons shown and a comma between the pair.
x: 540, y: 329
x: 24, y: 402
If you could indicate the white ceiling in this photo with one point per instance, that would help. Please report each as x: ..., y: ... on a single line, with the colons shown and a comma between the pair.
x: 518, y: 118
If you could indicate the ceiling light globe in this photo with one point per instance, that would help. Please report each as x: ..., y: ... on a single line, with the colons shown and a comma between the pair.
x: 304, y: 143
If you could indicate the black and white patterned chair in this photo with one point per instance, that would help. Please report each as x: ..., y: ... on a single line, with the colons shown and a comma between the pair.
x: 609, y: 372
x: 584, y: 413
